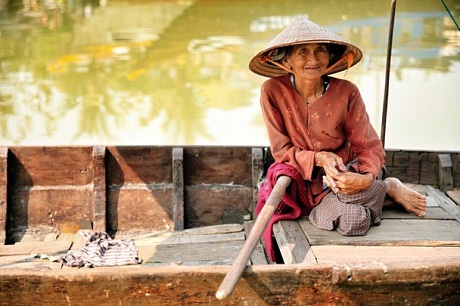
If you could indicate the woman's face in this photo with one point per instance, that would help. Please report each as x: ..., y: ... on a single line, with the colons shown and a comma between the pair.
x: 308, y: 60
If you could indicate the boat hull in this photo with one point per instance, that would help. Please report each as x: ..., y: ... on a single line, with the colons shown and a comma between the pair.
x: 131, y: 189
x: 415, y: 283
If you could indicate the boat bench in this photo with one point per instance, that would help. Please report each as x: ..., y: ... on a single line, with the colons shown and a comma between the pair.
x: 401, y: 236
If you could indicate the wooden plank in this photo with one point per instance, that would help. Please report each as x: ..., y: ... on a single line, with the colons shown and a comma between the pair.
x: 215, y: 229
x: 258, y: 257
x: 335, y: 254
x: 407, y: 232
x: 291, y: 240
x: 23, y: 248
x: 444, y: 202
x: 209, y: 204
x: 445, y: 172
x: 138, y: 165
x: 178, y: 189
x: 456, y: 168
x: 257, y: 171
x: 139, y: 208
x: 52, y: 248
x: 28, y: 248
x: 218, y: 166
x: 192, y: 252
x: 454, y: 195
x: 3, y: 192
x: 51, y: 166
x: 398, y: 212
x: 11, y: 264
x: 99, y: 189
x: 185, y: 238
x: 416, y: 167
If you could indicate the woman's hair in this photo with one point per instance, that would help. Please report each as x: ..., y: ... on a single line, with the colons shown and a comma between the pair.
x: 280, y: 53
x: 335, y: 52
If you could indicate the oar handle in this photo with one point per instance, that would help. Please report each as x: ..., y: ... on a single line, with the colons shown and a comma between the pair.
x: 228, y: 284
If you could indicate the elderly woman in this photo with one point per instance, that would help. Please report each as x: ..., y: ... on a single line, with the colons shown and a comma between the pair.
x: 321, y: 137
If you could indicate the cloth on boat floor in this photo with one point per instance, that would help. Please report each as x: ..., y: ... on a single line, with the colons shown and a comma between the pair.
x: 101, y: 250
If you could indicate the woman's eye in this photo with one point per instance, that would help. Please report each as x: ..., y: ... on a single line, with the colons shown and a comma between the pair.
x: 321, y: 50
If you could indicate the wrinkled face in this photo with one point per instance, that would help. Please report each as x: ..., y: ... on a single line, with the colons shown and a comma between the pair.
x: 308, y: 60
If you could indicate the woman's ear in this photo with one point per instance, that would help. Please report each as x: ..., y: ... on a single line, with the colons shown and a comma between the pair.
x: 285, y: 62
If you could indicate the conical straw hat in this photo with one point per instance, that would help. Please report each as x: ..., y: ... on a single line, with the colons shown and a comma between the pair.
x: 303, y: 31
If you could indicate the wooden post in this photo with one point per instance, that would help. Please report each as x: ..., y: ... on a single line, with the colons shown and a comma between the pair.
x: 3, y: 192
x: 446, y: 181
x: 99, y: 189
x: 257, y: 169
x: 178, y: 189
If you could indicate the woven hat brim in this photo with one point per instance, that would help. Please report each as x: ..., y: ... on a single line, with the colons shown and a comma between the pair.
x: 302, y: 31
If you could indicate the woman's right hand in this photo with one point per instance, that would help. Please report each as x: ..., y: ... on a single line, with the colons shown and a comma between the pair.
x: 332, y: 165
x: 330, y: 162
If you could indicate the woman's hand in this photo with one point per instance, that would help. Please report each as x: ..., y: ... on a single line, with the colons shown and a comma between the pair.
x: 330, y: 162
x: 338, y: 178
x: 349, y: 182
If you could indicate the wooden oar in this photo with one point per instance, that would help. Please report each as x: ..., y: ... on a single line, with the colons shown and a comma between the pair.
x: 241, y: 261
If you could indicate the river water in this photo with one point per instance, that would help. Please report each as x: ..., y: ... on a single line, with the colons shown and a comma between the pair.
x: 175, y: 72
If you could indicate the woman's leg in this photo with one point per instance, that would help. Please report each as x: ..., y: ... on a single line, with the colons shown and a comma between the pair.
x: 350, y: 215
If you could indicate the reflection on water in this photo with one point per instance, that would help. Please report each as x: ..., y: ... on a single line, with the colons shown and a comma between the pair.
x: 175, y: 72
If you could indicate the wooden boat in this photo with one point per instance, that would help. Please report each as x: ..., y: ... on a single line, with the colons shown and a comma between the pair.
x: 189, y: 209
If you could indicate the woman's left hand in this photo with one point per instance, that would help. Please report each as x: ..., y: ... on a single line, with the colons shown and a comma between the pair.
x: 349, y: 182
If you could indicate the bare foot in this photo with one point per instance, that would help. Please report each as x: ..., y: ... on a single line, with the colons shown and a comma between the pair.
x: 411, y: 200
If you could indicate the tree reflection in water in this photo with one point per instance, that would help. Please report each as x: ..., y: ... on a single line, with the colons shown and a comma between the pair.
x: 149, y: 72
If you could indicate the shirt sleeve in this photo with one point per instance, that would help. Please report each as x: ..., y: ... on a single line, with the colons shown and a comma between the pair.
x: 365, y: 143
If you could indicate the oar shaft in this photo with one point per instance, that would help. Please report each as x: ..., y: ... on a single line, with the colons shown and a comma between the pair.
x: 387, y: 73
x: 228, y: 284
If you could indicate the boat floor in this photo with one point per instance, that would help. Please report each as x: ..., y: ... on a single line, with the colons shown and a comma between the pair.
x: 400, y: 237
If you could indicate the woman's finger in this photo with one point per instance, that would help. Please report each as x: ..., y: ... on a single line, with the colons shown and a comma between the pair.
x: 341, y: 166
x: 330, y: 182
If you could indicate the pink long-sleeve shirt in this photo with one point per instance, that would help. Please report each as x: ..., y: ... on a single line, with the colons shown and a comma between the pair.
x: 337, y: 122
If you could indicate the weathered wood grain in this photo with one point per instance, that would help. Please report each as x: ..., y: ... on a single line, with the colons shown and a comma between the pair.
x: 257, y: 172
x: 291, y: 240
x: 454, y: 195
x: 205, y: 251
x: 50, y: 166
x: 400, y: 232
x: 99, y: 211
x: 446, y: 181
x: 3, y: 192
x: 336, y: 254
x: 218, y: 165
x: 258, y: 257
x: 178, y: 189
x: 397, y: 212
x: 444, y: 202
x: 413, y: 283
x: 132, y: 188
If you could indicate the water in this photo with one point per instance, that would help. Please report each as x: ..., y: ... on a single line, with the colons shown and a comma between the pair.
x: 175, y: 72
